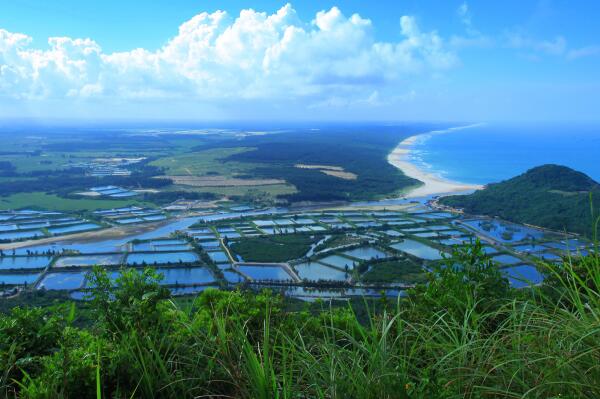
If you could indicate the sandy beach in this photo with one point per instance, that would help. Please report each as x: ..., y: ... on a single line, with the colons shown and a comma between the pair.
x: 432, y: 184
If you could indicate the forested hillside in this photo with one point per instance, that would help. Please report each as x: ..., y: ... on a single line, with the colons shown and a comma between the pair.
x: 551, y: 196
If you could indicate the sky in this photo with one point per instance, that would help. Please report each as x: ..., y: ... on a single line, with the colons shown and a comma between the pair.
x: 345, y: 60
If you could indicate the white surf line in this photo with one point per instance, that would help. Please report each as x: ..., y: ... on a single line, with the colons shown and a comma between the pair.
x: 432, y: 184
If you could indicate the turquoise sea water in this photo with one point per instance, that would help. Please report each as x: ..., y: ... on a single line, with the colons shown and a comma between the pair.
x: 491, y: 152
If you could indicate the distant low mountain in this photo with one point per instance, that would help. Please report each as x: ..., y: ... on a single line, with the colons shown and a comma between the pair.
x: 551, y: 196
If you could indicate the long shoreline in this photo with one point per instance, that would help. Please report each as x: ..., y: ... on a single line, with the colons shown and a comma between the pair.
x: 432, y: 184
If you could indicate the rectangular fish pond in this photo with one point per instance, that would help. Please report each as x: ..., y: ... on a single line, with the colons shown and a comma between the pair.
x: 338, y: 261
x: 161, y: 258
x: 504, y: 231
x: 314, y: 271
x: 24, y: 262
x: 18, y: 278
x: 264, y: 272
x: 507, y: 259
x: 89, y: 260
x: 74, y: 228
x: 523, y: 275
x: 366, y: 253
x: 418, y: 249
x: 17, y: 235
x: 186, y: 275
x: 218, y: 256
x: 62, y: 281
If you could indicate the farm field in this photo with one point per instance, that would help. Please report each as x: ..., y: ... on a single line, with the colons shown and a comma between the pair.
x: 39, y: 200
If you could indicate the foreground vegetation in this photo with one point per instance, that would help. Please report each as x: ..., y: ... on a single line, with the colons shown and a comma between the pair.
x: 465, y: 333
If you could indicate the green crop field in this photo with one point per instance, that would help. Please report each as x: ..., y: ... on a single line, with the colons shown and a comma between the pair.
x: 207, y: 162
x: 275, y: 248
x: 48, y: 201
x: 393, y: 271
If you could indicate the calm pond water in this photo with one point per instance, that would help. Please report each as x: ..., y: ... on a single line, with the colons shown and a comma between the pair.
x: 504, y: 231
x: 186, y: 276
x: 63, y: 281
x: 232, y: 277
x: 218, y: 256
x: 90, y: 260
x: 366, y: 253
x: 73, y: 229
x: 418, y: 249
x: 20, y: 278
x: 29, y: 262
x: 266, y: 272
x: 507, y: 259
x: 171, y: 257
x: 21, y: 234
x: 522, y: 276
x: 316, y: 271
x: 338, y: 261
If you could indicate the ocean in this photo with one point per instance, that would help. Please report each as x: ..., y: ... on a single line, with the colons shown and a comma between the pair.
x: 489, y: 153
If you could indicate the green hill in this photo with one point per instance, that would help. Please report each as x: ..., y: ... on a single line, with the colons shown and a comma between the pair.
x: 551, y: 196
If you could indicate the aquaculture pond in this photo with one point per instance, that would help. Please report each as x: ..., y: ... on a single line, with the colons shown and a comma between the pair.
x: 24, y: 262
x: 62, y: 281
x: 185, y: 275
x: 304, y: 221
x: 504, y: 231
x: 231, y: 235
x: 523, y: 275
x: 507, y: 259
x: 232, y: 277
x: 161, y: 245
x: 264, y: 272
x: 528, y: 248
x: 366, y: 253
x: 455, y: 241
x: 218, y: 256
x: 18, y: 278
x: 417, y: 249
x: 89, y: 260
x: 209, y: 244
x: 548, y: 256
x: 338, y: 261
x: 21, y: 235
x: 314, y: 271
x: 426, y: 234
x: 490, y: 250
x: 73, y: 229
x: 112, y: 245
x: 161, y: 258
x: 393, y: 233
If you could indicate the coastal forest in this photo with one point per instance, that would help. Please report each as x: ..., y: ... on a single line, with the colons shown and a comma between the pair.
x: 57, y: 168
x: 551, y: 196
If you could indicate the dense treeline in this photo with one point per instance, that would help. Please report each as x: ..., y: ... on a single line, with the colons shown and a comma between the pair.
x: 550, y: 196
x: 64, y: 182
x: 359, y: 150
x: 465, y: 333
x: 167, y: 197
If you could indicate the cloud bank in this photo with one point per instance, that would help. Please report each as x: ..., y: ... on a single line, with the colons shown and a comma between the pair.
x: 216, y: 57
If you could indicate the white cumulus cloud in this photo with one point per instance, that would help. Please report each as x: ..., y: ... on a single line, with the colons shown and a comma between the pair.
x: 216, y: 57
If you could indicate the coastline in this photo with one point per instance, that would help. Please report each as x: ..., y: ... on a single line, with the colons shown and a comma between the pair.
x: 432, y: 184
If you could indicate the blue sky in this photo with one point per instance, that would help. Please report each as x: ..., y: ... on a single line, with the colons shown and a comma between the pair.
x: 327, y: 60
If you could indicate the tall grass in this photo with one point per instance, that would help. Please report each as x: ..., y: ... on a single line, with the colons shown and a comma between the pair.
x: 542, y: 342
